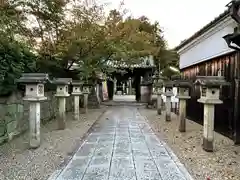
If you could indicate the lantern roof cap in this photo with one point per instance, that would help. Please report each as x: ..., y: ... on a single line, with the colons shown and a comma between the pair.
x: 33, y: 78
x: 77, y: 82
x: 62, y: 81
x: 211, y: 81
x: 182, y: 83
x: 168, y: 84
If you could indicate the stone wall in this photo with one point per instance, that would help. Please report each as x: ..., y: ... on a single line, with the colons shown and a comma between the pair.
x: 14, y: 113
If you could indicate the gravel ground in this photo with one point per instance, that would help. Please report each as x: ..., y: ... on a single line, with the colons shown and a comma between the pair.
x: 223, y: 164
x: 20, y: 163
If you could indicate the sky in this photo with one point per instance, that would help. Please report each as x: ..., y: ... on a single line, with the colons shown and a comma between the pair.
x: 178, y: 18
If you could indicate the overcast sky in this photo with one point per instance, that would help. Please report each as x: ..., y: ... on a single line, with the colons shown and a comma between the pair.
x: 178, y: 18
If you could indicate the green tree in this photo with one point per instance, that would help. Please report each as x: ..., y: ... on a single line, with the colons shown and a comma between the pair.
x: 76, y: 38
x: 15, y: 59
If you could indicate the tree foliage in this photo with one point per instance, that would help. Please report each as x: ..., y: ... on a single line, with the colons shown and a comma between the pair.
x: 74, y: 38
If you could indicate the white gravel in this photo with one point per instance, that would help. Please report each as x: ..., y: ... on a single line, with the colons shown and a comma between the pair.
x: 223, y: 164
x: 17, y: 162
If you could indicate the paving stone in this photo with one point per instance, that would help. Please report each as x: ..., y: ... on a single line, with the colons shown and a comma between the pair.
x: 80, y: 162
x: 72, y: 173
x: 159, y: 152
x: 137, y: 139
x: 151, y: 139
x: 133, y: 126
x: 104, y: 130
x: 122, y: 131
x: 139, y: 145
x: 118, y: 140
x: 141, y: 153
x: 135, y: 130
x: 92, y: 138
x: 103, y: 161
x: 96, y: 173
x: 106, y: 138
x: 123, y: 174
x: 124, y: 147
x: 122, y: 138
x: 149, y: 175
x: 104, y: 150
x: 146, y: 169
x: 87, y: 149
x: 122, y: 163
x: 168, y: 169
x: 122, y: 169
x: 145, y: 163
x: 147, y: 130
x: 122, y: 152
x: 137, y: 135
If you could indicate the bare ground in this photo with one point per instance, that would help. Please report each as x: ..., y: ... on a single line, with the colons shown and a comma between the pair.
x: 223, y: 164
x: 17, y: 162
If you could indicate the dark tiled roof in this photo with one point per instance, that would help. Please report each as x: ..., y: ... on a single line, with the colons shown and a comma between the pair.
x: 204, y: 29
x: 146, y: 63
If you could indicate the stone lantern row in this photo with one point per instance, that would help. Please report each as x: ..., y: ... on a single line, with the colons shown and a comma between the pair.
x: 210, y: 96
x: 34, y: 93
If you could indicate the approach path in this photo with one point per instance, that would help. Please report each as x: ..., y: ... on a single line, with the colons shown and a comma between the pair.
x: 122, y: 146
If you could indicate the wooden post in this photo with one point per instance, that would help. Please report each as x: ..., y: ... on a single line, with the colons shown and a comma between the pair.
x: 236, y: 115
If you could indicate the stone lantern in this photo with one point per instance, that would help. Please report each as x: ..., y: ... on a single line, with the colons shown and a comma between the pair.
x: 158, y: 89
x: 115, y: 86
x: 146, y: 87
x: 62, y: 94
x: 168, y: 93
x: 210, y: 93
x: 76, y: 93
x: 86, y: 92
x: 130, y: 86
x: 34, y: 93
x: 183, y: 95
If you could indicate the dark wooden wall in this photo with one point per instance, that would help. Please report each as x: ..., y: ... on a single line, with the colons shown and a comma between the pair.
x: 227, y: 116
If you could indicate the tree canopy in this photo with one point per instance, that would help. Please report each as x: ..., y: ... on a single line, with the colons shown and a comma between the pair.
x: 73, y: 38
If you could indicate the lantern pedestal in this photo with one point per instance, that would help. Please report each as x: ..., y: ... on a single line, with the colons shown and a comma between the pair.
x: 61, y: 112
x: 208, y: 123
x: 182, y: 115
x: 34, y: 121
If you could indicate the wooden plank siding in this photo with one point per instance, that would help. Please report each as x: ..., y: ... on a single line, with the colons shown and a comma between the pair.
x: 227, y: 116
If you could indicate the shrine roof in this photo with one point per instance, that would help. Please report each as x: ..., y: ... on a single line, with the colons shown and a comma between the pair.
x: 146, y: 62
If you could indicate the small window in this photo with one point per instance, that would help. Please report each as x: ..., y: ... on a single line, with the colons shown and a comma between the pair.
x: 235, y: 29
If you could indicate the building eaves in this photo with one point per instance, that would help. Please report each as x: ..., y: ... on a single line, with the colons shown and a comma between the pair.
x: 218, y: 19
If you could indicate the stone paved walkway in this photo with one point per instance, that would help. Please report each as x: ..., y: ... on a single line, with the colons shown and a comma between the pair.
x: 123, y: 147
